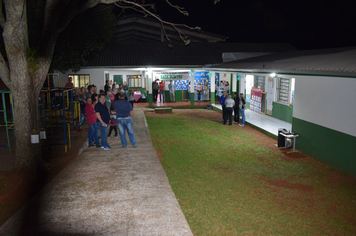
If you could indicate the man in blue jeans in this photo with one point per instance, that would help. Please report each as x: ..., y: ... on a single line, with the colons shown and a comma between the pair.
x: 124, y: 113
x: 103, y: 117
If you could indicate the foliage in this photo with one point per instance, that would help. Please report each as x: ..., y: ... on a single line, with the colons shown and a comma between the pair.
x: 226, y: 182
x: 32, y: 59
x: 87, y: 34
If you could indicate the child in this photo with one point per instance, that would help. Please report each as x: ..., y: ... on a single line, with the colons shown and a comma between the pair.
x: 112, y: 122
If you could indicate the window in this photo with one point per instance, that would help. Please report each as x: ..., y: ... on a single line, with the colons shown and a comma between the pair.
x: 135, y: 80
x: 80, y: 80
x: 284, y: 90
x: 259, y: 82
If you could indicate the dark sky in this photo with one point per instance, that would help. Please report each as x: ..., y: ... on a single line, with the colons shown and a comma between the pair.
x: 304, y: 24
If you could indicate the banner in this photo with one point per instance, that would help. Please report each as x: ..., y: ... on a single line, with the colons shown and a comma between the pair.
x: 256, y: 100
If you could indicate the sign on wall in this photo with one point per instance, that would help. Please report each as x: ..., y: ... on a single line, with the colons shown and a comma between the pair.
x: 256, y: 99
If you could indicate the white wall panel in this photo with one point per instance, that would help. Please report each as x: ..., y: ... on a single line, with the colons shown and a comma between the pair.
x: 326, y: 101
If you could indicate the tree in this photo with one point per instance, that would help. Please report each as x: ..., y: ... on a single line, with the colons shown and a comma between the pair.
x: 29, y: 56
x: 86, y: 35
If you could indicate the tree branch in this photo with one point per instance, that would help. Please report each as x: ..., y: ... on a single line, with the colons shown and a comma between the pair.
x: 2, y: 18
x: 180, y: 9
x: 5, y: 72
x: 181, y: 34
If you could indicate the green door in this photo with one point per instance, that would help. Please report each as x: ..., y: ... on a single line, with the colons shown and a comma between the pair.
x: 118, y: 79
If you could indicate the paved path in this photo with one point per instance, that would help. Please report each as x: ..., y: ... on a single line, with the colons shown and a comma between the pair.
x: 116, y: 192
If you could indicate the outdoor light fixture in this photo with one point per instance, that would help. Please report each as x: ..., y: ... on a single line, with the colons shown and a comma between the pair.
x: 273, y: 75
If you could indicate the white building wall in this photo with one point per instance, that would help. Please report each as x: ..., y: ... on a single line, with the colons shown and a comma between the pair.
x: 326, y: 101
x: 97, y: 75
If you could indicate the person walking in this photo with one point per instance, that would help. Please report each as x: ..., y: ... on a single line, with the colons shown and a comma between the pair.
x: 229, y: 102
x: 222, y: 100
x: 103, y: 117
x: 242, y: 109
x: 124, y: 112
x: 236, y: 108
x: 172, y: 90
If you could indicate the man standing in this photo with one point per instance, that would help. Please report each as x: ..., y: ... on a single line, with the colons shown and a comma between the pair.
x: 172, y: 90
x: 222, y: 100
x: 106, y: 86
x: 155, y: 88
x: 91, y: 120
x: 161, y: 90
x: 124, y: 112
x: 102, y: 113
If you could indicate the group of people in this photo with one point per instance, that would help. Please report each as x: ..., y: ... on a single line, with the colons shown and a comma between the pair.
x: 201, y: 89
x: 107, y: 110
x: 224, y: 86
x: 236, y: 105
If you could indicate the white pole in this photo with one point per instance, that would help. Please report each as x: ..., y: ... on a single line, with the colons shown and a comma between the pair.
x: 234, y: 82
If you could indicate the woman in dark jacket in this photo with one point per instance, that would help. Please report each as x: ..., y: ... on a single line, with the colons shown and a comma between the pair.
x: 236, y: 108
x: 242, y: 109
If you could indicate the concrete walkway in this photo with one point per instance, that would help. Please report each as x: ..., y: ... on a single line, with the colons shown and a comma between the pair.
x: 115, y: 192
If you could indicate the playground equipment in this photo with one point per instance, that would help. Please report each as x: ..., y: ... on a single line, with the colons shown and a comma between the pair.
x: 59, y: 112
x: 8, y: 119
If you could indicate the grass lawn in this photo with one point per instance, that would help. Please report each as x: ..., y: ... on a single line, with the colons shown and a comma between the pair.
x: 232, y: 180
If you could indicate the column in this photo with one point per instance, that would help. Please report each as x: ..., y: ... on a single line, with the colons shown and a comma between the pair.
x: 191, y: 79
x: 149, y: 92
x: 212, y: 86
x: 234, y: 84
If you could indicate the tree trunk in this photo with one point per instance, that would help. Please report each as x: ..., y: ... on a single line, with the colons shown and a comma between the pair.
x: 28, y: 155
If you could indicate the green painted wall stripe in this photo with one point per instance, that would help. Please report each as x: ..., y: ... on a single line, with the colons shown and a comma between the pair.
x: 150, y: 99
x: 282, y: 112
x: 212, y: 95
x: 326, y: 145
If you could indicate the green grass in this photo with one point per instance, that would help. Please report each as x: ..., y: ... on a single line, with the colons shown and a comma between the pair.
x: 225, y: 183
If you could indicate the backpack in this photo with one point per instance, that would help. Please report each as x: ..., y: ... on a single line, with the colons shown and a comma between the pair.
x: 155, y: 86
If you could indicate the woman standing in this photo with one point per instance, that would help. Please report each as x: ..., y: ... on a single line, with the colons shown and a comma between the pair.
x: 125, y: 87
x: 236, y: 108
x: 227, y: 87
x: 199, y: 88
x: 242, y: 109
x: 206, y: 91
x: 132, y: 97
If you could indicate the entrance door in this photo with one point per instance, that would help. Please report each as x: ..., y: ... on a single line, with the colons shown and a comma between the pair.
x: 118, y: 79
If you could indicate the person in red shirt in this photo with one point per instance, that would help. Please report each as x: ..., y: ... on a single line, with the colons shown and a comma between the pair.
x: 69, y: 84
x: 93, y: 134
x: 161, y: 90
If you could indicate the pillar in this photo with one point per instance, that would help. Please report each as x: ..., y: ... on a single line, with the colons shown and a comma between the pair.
x: 212, y: 88
x: 149, y: 91
x: 191, y: 79
x: 234, y: 84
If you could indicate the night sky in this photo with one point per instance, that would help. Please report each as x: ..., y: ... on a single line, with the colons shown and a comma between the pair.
x: 304, y: 24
